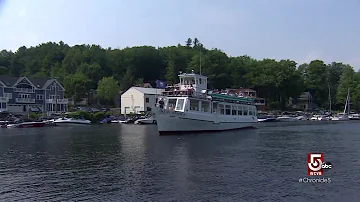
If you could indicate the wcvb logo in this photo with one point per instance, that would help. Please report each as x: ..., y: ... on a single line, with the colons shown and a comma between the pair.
x: 317, y: 164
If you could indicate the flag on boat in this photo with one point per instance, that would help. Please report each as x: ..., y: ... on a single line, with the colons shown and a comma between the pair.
x: 160, y: 84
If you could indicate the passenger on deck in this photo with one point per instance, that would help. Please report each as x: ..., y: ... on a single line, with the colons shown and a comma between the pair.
x: 161, y: 103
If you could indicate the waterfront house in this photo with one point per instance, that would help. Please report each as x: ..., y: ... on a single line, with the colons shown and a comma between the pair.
x: 138, y: 99
x: 22, y: 94
x: 303, y: 102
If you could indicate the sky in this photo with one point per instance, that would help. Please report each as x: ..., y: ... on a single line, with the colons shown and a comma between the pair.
x: 300, y: 30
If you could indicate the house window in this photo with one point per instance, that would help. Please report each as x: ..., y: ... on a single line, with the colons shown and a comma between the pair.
x: 54, y: 97
x: 8, y: 95
x: 39, y: 97
x: 147, y: 100
x: 24, y: 95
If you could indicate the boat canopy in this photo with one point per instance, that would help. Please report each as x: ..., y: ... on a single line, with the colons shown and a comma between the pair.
x: 232, y: 98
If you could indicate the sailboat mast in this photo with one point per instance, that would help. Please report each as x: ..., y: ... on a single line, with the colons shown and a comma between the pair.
x: 329, y: 99
x: 348, y: 101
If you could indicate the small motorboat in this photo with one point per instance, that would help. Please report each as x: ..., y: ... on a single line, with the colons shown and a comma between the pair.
x: 354, y: 117
x: 286, y: 118
x: 266, y: 119
x: 320, y: 118
x: 148, y: 119
x: 71, y: 121
x: 32, y: 124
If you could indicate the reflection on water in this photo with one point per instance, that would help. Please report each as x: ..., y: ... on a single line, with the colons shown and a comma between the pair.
x: 119, y: 162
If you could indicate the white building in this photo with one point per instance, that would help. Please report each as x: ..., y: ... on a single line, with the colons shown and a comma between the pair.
x: 138, y: 99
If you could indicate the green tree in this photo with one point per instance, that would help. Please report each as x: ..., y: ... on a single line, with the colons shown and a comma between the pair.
x: 108, y: 88
x: 76, y: 85
x: 81, y: 67
x: 347, y: 81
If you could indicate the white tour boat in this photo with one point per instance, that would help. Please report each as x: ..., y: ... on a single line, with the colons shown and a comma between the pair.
x: 71, y: 121
x: 192, y: 108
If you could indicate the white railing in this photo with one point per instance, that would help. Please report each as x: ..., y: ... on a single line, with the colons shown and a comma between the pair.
x: 4, y: 99
x: 25, y: 100
x: 24, y: 90
x: 59, y: 101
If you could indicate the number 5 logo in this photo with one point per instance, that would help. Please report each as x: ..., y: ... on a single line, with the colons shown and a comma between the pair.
x: 315, y: 162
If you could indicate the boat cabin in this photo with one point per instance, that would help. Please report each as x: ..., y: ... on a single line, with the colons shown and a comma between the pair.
x: 184, y: 104
x: 193, y: 81
x: 190, y: 85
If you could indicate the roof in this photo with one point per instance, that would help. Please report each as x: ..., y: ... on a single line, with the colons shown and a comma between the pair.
x: 192, y: 75
x: 9, y: 81
x: 151, y: 91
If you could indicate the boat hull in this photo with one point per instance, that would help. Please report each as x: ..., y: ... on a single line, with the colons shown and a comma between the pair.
x: 71, y: 123
x: 145, y: 121
x: 266, y: 119
x: 172, y: 122
x: 287, y: 119
x: 27, y: 125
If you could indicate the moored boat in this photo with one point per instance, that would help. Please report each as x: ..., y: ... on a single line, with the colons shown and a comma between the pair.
x: 192, y: 108
x: 148, y: 119
x: 71, y: 121
x: 354, y: 117
x: 32, y: 124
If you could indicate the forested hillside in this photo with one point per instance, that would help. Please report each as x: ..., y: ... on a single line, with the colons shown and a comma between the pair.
x: 81, y: 67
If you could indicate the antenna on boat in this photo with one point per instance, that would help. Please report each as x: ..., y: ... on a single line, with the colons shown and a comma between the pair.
x: 200, y: 62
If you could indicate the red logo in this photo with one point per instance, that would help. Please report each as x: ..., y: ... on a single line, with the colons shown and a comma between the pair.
x: 315, y: 164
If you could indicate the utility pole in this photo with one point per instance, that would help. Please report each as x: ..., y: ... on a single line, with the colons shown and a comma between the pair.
x: 200, y: 62
x: 56, y: 103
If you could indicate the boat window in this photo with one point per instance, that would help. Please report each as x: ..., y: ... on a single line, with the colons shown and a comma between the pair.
x: 221, y: 107
x: 194, y: 105
x: 233, y: 110
x: 240, y: 110
x: 171, y: 104
x: 205, y: 106
x: 180, y: 104
x: 250, y: 112
x: 215, y: 106
x: 255, y: 112
x: 199, y: 81
x: 227, y: 109
x: 245, y: 110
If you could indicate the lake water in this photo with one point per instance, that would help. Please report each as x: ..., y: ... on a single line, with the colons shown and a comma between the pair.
x: 132, y: 163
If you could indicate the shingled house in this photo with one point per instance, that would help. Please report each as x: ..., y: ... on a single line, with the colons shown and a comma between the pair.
x: 22, y: 94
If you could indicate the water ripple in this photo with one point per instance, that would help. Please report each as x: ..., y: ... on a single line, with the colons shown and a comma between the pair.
x: 132, y: 163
